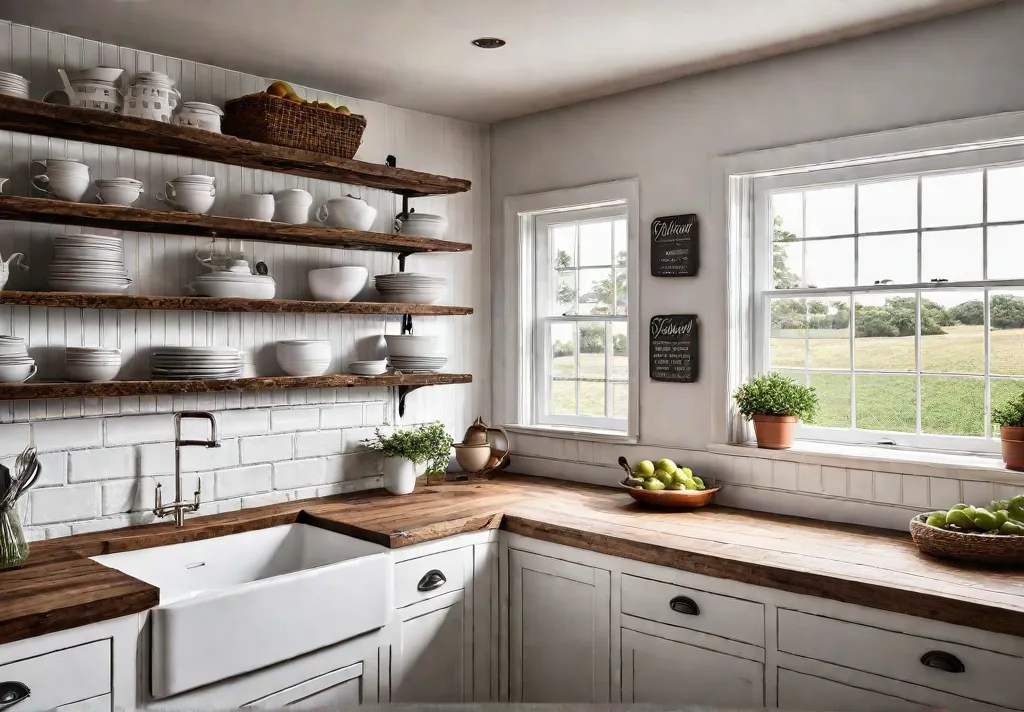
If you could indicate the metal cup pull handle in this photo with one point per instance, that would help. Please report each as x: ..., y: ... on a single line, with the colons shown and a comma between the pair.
x: 686, y: 606
x: 431, y: 580
x: 11, y: 693
x: 941, y: 660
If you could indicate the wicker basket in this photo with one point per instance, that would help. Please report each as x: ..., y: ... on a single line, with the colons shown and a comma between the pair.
x: 970, y: 546
x: 272, y: 119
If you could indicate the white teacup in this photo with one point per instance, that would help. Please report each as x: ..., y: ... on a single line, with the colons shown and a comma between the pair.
x: 349, y: 212
x: 113, y: 193
x: 188, y: 197
x: 17, y: 372
x: 67, y: 180
x: 63, y: 165
x: 255, y: 206
x: 292, y: 206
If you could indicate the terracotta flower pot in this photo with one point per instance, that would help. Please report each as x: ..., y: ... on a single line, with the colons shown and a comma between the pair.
x: 775, y: 432
x: 1013, y: 446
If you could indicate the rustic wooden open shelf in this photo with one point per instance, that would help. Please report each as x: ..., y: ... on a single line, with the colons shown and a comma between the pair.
x: 170, y: 222
x: 92, y: 126
x: 220, y: 304
x: 115, y: 389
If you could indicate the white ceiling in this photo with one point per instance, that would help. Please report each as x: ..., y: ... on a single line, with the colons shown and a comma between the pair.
x: 417, y: 53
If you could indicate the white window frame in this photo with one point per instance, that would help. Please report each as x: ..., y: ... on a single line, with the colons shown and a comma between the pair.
x: 519, y: 373
x: 748, y: 178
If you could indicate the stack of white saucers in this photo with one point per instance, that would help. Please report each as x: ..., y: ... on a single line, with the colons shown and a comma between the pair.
x: 410, y: 287
x: 413, y: 353
x: 86, y: 363
x: 418, y: 364
x: 368, y: 368
x: 186, y: 363
x: 13, y: 85
x: 88, y: 263
x: 16, y: 365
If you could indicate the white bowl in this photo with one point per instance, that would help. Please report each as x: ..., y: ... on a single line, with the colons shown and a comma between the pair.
x: 303, y: 350
x: 226, y: 289
x: 337, y: 284
x: 116, y: 194
x: 304, y: 368
x: 75, y: 371
x: 293, y: 213
x: 255, y: 206
x: 17, y: 372
x: 348, y: 212
x: 107, y: 75
x: 411, y: 345
x: 12, y: 348
x: 368, y: 368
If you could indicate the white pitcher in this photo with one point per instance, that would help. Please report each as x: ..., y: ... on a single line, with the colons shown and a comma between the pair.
x: 5, y: 265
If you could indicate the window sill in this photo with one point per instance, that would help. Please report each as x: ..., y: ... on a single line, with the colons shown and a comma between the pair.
x: 923, y: 462
x: 588, y: 434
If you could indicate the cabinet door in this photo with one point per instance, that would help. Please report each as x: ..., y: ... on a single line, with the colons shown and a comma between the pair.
x: 660, y: 671
x: 559, y: 630
x: 433, y: 659
x: 339, y: 689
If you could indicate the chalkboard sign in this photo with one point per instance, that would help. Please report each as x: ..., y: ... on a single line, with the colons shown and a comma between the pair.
x: 675, y: 246
x: 674, y: 355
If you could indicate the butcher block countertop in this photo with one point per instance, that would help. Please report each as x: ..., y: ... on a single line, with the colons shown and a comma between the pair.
x: 58, y: 587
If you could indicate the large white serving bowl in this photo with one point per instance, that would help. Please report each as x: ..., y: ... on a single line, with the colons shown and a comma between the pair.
x: 410, y: 345
x: 337, y: 284
x: 304, y: 368
x: 258, y: 287
x: 17, y: 371
x: 75, y: 371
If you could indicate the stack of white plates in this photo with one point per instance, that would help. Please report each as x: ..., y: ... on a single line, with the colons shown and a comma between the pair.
x: 16, y: 365
x: 418, y: 364
x: 13, y: 85
x: 171, y: 363
x: 86, y: 363
x: 367, y: 368
x: 88, y: 263
x: 410, y: 287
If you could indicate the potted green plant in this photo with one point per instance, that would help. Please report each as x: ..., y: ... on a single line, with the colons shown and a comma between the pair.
x: 1010, y: 419
x: 410, y: 453
x: 775, y: 403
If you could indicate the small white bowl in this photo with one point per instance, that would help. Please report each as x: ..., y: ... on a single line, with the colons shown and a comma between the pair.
x: 337, y: 284
x: 303, y: 350
x: 304, y: 368
x: 88, y: 372
x: 368, y: 368
x: 411, y: 345
x: 17, y: 372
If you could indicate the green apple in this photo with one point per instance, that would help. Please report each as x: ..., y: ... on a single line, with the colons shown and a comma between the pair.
x: 679, y: 477
x: 699, y: 482
x: 691, y: 485
x: 676, y: 486
x: 687, y: 471
x: 645, y: 469
x: 665, y: 465
x: 664, y: 477
x: 653, y: 484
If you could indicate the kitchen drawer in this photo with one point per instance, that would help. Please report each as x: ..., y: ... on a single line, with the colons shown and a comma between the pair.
x: 83, y: 673
x: 429, y: 576
x: 983, y: 674
x: 711, y: 613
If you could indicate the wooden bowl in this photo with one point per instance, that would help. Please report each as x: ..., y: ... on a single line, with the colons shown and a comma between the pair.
x: 675, y: 499
x: 969, y: 546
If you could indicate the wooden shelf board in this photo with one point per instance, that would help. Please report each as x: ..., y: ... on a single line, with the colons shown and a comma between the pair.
x: 92, y: 126
x: 218, y: 304
x: 115, y: 217
x: 115, y: 389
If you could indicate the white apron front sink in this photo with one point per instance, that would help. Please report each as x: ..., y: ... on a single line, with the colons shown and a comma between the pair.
x: 237, y: 603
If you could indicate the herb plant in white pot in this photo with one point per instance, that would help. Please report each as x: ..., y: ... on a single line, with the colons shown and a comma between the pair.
x: 411, y: 453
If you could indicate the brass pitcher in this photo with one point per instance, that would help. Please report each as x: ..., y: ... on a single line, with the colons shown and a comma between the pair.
x: 483, y: 448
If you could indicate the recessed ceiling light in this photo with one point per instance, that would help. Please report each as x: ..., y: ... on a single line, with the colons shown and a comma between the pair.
x: 489, y: 42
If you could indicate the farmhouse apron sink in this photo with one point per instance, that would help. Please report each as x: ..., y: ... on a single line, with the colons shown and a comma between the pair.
x: 237, y: 603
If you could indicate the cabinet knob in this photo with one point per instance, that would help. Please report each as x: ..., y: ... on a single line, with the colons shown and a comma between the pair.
x: 941, y: 660
x: 11, y: 693
x: 684, y: 605
x: 431, y: 580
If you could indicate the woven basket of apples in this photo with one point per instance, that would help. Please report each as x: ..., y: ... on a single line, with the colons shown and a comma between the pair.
x: 665, y: 484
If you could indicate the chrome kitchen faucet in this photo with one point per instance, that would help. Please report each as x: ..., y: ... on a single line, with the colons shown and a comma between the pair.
x: 179, y: 507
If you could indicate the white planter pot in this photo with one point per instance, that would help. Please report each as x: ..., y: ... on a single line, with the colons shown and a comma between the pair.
x: 400, y: 475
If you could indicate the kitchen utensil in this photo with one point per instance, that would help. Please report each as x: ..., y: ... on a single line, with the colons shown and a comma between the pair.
x: 410, y: 287
x: 292, y: 206
x: 348, y: 212
x: 153, y: 97
x: 472, y: 458
x: 421, y: 225
x: 195, y: 362
x: 64, y: 179
x: 368, y: 368
x: 192, y: 194
x: 118, y: 191
x: 199, y: 115
x: 13, y: 85
x: 408, y: 345
x: 234, y: 279
x: 255, y: 206
x: 17, y: 372
x: 337, y: 284
x: 5, y: 266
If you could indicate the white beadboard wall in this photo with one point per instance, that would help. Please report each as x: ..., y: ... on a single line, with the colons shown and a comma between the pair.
x: 163, y: 265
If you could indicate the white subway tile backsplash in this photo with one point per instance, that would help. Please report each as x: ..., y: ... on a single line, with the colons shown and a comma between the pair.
x: 861, y: 484
x: 64, y: 504
x: 300, y: 473
x: 234, y: 423
x: 348, y: 415
x: 978, y: 493
x: 834, y: 481
x: 109, y: 463
x: 266, y: 448
x: 943, y: 493
x: 915, y: 491
x: 51, y: 435
x: 353, y: 439
x: 741, y: 470
x: 888, y: 487
x: 242, y: 481
x: 202, y: 459
x: 261, y: 500
x: 373, y: 413
x: 808, y: 478
x: 784, y: 475
x: 286, y: 420
x: 132, y: 430
x: 318, y: 444
x: 14, y: 437
x: 760, y: 472
x: 1007, y: 491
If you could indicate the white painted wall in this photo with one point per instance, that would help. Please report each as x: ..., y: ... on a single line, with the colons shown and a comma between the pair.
x: 98, y: 473
x: 670, y: 135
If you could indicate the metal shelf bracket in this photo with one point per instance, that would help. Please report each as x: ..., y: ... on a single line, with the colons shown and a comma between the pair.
x: 403, y: 391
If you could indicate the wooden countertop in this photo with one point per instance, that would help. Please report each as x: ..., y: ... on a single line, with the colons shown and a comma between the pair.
x: 59, y: 588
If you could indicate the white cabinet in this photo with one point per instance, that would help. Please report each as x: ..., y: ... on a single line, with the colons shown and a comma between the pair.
x: 432, y: 660
x: 84, y: 672
x: 559, y: 630
x: 338, y: 689
x: 658, y: 670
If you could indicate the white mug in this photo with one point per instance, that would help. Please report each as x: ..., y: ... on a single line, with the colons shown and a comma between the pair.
x: 118, y: 195
x: 191, y: 200
x: 255, y: 206
x: 65, y: 186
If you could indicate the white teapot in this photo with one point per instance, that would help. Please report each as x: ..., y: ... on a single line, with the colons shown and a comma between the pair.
x: 5, y: 269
